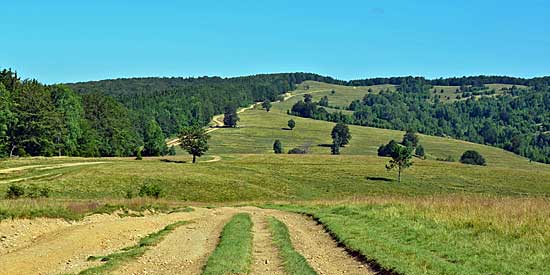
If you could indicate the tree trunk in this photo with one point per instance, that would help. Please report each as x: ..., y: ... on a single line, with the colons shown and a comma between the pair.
x: 11, y: 151
x: 194, y: 158
x: 399, y: 175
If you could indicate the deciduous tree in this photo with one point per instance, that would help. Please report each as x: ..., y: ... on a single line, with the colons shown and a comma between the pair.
x: 194, y: 140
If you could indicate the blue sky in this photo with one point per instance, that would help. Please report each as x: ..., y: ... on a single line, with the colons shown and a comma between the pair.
x: 66, y: 41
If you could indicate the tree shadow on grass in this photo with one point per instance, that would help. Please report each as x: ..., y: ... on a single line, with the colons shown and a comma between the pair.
x: 380, y: 179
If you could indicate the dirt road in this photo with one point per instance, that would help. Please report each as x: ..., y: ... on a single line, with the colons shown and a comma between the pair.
x: 61, y: 247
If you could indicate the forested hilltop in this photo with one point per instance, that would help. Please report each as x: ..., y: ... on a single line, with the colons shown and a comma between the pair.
x: 122, y: 116
x: 516, y: 118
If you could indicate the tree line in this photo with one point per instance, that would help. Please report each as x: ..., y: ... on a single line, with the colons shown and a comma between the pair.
x: 517, y: 121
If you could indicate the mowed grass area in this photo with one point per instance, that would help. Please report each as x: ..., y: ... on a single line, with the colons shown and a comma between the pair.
x: 290, y: 177
x: 259, y: 129
x: 342, y: 96
x: 442, y: 234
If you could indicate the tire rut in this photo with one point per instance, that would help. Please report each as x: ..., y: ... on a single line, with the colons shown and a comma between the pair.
x: 265, y: 255
x: 319, y: 249
x: 185, y: 250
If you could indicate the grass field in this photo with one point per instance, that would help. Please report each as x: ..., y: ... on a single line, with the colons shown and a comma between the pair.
x: 444, y: 218
x: 443, y: 234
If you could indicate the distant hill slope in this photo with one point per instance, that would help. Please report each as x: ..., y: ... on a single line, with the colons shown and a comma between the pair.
x: 509, y: 116
x: 468, y: 108
x: 259, y: 129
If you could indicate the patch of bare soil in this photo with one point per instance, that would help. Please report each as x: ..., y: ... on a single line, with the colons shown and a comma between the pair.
x: 320, y: 250
x: 184, y: 251
x: 64, y: 248
x: 265, y: 255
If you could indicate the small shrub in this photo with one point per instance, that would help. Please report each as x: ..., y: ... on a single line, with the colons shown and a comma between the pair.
x: 38, y: 192
x: 172, y: 151
x: 472, y: 157
x: 297, y: 151
x: 419, y: 151
x: 129, y: 194
x: 150, y: 190
x: 277, y: 147
x: 138, y: 155
x: 447, y: 159
x: 15, y: 191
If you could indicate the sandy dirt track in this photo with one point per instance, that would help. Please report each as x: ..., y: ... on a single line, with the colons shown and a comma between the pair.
x: 63, y: 248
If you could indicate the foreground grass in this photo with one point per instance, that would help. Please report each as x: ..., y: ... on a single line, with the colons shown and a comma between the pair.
x: 294, y: 262
x: 234, y: 252
x: 290, y: 177
x: 78, y: 209
x: 443, y: 235
x: 112, y: 261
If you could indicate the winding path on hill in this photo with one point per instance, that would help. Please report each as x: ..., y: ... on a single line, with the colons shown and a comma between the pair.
x: 217, y: 120
x: 48, y: 167
x: 63, y: 247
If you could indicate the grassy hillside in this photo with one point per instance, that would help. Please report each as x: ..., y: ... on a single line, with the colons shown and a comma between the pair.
x: 258, y: 130
x: 248, y: 169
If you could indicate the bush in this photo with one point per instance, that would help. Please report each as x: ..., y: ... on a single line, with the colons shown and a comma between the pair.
x: 278, y: 147
x: 472, y: 157
x: 447, y: 159
x: 297, y: 151
x: 386, y: 150
x: 419, y: 151
x: 38, y: 192
x: 15, y: 191
x: 150, y: 190
x: 172, y: 150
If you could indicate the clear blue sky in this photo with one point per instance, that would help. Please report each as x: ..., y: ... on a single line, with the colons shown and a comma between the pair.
x: 65, y: 41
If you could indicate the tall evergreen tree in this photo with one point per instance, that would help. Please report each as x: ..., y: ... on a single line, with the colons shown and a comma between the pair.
x: 153, y: 139
x: 6, y: 119
x: 69, y: 111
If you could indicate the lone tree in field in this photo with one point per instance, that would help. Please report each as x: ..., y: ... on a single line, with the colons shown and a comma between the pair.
x: 401, y: 159
x: 278, y: 147
x: 472, y: 157
x: 230, y: 117
x: 340, y: 133
x: 291, y: 124
x: 194, y: 140
x: 266, y: 105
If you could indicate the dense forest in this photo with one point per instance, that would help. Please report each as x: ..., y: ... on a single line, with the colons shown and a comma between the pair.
x: 176, y: 102
x: 123, y: 116
x: 120, y: 117
x: 518, y: 120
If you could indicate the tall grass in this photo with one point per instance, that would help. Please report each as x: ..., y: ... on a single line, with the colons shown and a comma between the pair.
x: 443, y: 235
x: 77, y: 209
